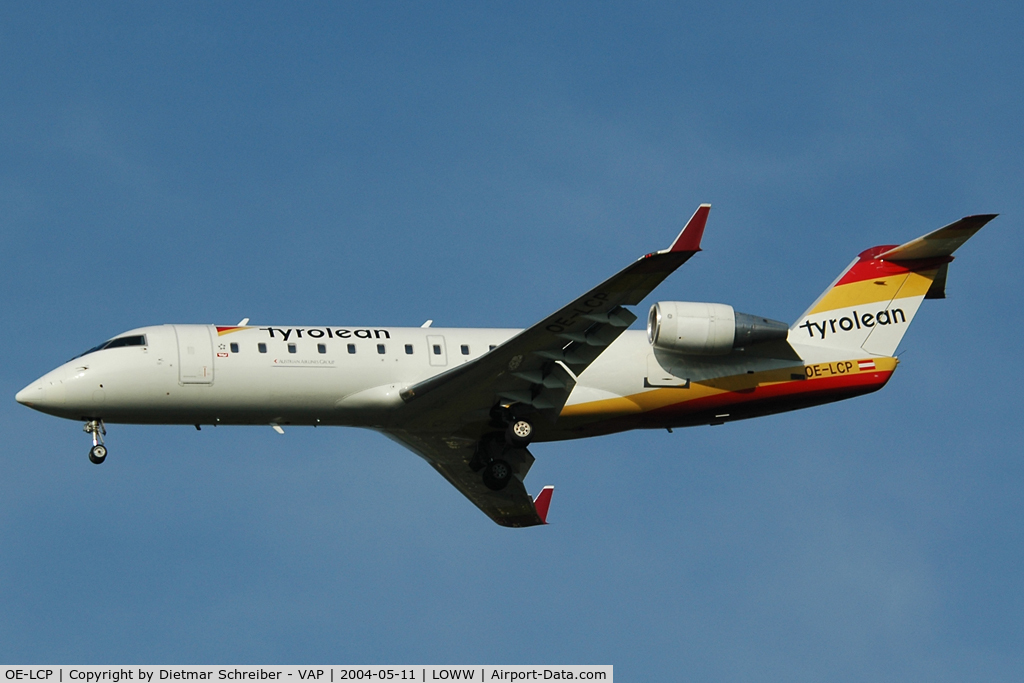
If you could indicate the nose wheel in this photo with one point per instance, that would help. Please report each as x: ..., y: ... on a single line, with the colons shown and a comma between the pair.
x: 98, y: 452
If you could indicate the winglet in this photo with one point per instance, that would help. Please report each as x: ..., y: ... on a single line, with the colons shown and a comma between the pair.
x: 542, y: 502
x: 689, y: 238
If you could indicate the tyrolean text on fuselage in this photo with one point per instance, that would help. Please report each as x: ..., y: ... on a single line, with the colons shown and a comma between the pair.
x: 284, y: 333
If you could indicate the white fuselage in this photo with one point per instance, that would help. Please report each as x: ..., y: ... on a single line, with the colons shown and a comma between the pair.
x: 191, y: 374
x: 351, y: 376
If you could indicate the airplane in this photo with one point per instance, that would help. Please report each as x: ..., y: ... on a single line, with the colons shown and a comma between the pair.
x: 471, y: 401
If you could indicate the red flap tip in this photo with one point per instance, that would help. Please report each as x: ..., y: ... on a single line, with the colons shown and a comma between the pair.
x: 689, y: 238
x: 542, y: 502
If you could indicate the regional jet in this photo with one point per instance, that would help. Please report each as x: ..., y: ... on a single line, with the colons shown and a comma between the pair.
x: 471, y: 401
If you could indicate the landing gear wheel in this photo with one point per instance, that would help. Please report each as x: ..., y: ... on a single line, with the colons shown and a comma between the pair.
x: 497, y: 474
x: 519, y: 433
x: 97, y: 454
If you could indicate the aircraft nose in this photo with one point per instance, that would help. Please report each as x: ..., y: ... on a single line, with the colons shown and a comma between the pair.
x: 32, y: 394
x: 47, y: 392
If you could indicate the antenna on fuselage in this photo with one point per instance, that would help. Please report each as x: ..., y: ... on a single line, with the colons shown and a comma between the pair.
x: 243, y: 321
x: 427, y: 324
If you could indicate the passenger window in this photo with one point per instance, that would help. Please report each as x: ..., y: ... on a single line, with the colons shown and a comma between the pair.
x: 321, y: 348
x: 408, y: 349
x: 234, y: 348
x: 437, y: 349
x: 465, y: 350
x: 262, y: 347
x: 291, y: 348
x: 380, y: 348
x: 351, y: 348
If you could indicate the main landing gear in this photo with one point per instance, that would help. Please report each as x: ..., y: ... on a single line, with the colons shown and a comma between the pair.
x: 98, y: 452
x: 497, y: 474
x: 493, y: 457
x: 519, y: 433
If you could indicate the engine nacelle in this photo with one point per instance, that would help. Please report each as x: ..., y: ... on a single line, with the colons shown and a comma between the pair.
x: 703, y: 329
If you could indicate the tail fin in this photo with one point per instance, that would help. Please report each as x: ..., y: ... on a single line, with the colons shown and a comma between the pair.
x: 871, y: 304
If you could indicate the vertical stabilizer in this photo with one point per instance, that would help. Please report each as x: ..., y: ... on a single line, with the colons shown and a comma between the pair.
x: 871, y: 304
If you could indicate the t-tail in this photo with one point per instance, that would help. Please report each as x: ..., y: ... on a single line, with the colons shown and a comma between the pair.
x: 871, y: 304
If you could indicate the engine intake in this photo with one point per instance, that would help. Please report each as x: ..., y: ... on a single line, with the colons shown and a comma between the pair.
x: 704, y: 329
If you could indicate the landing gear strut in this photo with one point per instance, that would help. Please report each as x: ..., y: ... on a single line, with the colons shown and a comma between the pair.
x: 98, y: 452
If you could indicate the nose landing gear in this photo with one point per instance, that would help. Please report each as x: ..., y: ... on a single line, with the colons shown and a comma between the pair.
x: 98, y: 452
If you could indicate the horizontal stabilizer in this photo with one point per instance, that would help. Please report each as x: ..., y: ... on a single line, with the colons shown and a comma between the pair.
x: 942, y: 242
x: 542, y: 502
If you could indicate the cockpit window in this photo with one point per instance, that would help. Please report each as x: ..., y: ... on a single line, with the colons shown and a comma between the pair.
x: 134, y: 340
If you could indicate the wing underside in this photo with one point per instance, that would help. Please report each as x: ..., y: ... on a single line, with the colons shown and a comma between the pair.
x: 454, y: 460
x: 456, y: 420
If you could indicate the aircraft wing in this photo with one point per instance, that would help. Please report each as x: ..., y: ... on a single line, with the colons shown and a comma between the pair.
x: 449, y: 419
x: 512, y: 506
x: 538, y: 366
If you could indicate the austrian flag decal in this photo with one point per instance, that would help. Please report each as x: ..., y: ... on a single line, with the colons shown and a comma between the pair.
x: 866, y: 365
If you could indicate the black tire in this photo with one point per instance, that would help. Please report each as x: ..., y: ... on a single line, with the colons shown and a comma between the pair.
x: 97, y: 454
x: 497, y: 475
x: 519, y: 433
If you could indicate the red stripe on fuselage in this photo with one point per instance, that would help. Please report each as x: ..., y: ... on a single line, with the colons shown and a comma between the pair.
x: 738, y: 405
x: 826, y: 388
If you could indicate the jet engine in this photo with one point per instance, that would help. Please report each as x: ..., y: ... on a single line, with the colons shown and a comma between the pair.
x: 702, y: 329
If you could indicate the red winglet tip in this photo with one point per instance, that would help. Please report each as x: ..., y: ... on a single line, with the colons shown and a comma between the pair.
x: 689, y: 238
x: 542, y: 502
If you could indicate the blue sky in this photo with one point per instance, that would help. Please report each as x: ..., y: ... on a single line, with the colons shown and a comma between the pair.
x: 480, y: 165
